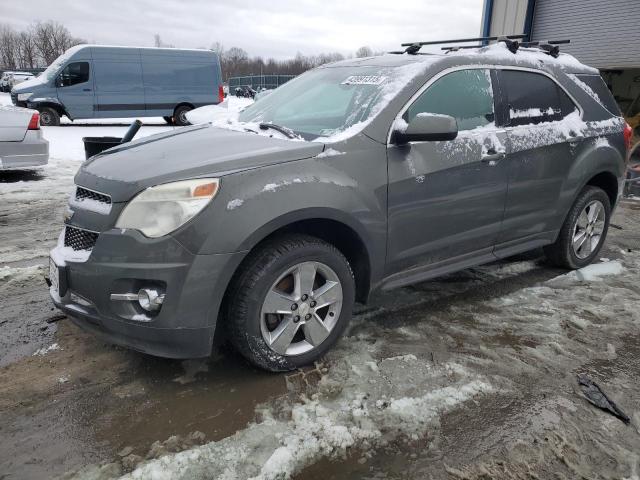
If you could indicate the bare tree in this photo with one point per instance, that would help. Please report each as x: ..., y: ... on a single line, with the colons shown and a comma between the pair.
x: 26, y: 49
x: 8, y: 47
x: 365, y: 51
x: 52, y: 39
x: 158, y: 43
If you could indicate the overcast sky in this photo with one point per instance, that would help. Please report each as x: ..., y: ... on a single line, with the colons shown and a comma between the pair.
x: 276, y: 28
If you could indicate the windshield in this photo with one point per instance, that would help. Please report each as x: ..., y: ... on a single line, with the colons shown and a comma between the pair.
x: 326, y: 101
x: 53, y: 69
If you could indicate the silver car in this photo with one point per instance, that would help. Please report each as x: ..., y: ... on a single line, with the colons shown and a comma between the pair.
x: 21, y: 140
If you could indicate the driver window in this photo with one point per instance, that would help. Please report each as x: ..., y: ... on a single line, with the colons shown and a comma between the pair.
x: 73, y: 74
x: 465, y: 95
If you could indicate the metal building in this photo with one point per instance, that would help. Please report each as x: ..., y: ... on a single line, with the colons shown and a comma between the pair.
x: 603, y: 34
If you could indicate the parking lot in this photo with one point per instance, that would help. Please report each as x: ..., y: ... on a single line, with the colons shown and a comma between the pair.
x: 469, y: 376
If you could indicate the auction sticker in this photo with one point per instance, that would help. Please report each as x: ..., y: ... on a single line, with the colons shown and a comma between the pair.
x: 364, y: 80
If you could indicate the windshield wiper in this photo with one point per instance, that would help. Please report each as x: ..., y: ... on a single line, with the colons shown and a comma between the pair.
x: 287, y: 132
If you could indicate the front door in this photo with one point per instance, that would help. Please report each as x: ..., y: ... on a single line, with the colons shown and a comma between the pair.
x: 446, y: 198
x: 75, y: 89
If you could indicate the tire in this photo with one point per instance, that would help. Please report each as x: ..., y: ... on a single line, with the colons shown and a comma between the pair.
x: 49, y: 117
x: 179, y: 115
x: 169, y: 120
x: 270, y: 269
x: 589, y: 202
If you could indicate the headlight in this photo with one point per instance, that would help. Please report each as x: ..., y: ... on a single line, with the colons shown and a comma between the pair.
x: 161, y: 209
x: 22, y: 97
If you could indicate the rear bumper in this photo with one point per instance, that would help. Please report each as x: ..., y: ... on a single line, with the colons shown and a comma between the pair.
x: 32, y: 151
x: 124, y: 262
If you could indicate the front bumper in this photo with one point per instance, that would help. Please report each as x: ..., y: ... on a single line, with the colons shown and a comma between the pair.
x: 32, y: 151
x: 124, y: 262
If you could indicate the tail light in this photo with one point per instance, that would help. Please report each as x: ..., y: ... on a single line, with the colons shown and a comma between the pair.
x: 628, y: 134
x: 220, y: 93
x: 34, y: 123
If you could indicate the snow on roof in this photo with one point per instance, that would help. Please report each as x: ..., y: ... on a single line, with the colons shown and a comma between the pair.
x: 499, y: 52
x: 496, y: 53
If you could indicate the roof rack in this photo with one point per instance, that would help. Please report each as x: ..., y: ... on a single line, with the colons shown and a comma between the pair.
x: 511, y: 41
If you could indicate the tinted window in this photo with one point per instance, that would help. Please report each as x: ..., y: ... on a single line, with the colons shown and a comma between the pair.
x: 74, y: 73
x: 533, y: 98
x: 597, y: 87
x: 465, y: 95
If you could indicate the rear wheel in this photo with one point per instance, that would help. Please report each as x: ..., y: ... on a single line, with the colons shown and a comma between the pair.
x: 583, y: 232
x: 180, y: 115
x: 169, y: 120
x: 290, y: 302
x: 49, y: 117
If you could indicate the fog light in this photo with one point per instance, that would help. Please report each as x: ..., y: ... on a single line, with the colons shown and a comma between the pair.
x: 150, y: 300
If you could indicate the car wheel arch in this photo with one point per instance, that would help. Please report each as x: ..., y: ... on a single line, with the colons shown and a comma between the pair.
x: 333, y: 226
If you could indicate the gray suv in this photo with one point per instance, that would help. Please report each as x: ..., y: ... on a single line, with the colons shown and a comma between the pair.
x: 357, y: 176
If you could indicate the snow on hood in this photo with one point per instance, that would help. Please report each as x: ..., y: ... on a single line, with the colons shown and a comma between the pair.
x: 23, y: 87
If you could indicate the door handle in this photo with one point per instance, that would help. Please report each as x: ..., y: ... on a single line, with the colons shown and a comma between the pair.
x: 86, y: 89
x: 492, y: 156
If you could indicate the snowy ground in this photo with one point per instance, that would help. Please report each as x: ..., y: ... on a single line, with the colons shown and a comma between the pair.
x: 471, y: 376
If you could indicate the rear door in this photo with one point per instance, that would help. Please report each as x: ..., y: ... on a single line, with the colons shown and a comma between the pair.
x: 75, y: 89
x: 540, y: 156
x: 446, y: 198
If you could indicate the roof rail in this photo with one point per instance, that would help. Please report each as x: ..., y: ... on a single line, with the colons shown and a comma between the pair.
x: 414, y: 47
x: 467, y: 40
x: 511, y: 41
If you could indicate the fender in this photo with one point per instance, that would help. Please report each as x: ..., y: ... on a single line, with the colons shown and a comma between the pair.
x: 52, y: 102
x: 598, y: 155
x: 253, y: 204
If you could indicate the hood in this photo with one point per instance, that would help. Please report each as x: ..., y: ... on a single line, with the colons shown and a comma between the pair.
x: 28, y: 85
x: 191, y: 152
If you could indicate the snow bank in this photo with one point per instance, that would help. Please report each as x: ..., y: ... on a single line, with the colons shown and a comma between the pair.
x: 596, y: 271
x: 221, y: 113
x: 41, y: 352
x: 350, y: 410
x: 21, y: 274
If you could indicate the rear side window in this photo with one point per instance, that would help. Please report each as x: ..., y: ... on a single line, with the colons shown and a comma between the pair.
x: 533, y: 98
x: 465, y: 95
x: 74, y: 73
x: 595, y: 86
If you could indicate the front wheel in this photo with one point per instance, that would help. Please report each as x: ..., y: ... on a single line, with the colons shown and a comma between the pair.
x: 583, y: 232
x: 290, y: 302
x: 49, y: 117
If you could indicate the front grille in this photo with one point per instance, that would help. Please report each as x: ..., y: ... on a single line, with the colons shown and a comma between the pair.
x: 79, y: 239
x: 85, y: 194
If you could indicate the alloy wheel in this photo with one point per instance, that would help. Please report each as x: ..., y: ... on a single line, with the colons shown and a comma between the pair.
x: 301, y: 308
x: 587, y: 232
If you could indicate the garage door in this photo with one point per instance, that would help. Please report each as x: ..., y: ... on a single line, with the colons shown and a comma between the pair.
x: 604, y: 34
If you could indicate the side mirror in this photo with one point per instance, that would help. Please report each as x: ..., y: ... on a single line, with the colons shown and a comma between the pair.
x: 427, y: 127
x: 59, y: 82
